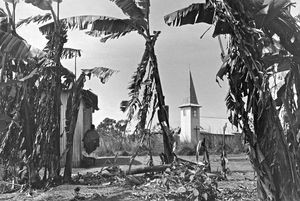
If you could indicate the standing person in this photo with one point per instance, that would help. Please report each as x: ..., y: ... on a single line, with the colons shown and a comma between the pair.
x: 201, y: 149
x: 91, y: 140
x: 224, y: 164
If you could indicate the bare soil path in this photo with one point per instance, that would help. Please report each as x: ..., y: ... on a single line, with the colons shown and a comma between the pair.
x: 241, y: 185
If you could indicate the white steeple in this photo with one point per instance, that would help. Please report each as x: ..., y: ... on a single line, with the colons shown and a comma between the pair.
x: 190, y: 116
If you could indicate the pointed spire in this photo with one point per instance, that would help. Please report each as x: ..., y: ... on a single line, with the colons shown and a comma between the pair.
x: 193, y: 96
x: 191, y: 100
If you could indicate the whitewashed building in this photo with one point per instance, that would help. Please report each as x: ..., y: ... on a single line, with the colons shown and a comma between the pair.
x: 88, y: 105
x: 190, y: 116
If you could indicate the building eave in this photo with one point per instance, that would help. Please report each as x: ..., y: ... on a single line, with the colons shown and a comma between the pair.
x: 190, y: 105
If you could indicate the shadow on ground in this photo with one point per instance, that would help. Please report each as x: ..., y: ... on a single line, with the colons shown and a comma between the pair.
x: 108, y: 161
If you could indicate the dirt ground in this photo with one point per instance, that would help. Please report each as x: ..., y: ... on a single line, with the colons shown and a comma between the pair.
x: 241, y: 185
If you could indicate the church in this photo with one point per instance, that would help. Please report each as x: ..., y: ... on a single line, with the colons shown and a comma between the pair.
x: 190, y: 116
x: 192, y: 132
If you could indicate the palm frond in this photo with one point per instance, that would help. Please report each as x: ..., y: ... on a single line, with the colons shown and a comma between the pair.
x: 4, y: 22
x: 113, y: 26
x: 11, y: 1
x: 112, y: 36
x: 100, y: 72
x: 138, y: 76
x: 111, y: 29
x: 144, y: 5
x: 35, y: 19
x: 135, y: 87
x: 82, y: 22
x: 41, y: 4
x: 69, y: 53
x: 130, y: 8
x: 77, y: 22
x: 229, y: 100
x: 103, y: 24
x: 131, y: 106
x: 195, y: 13
x: 2, y: 13
x: 17, y: 48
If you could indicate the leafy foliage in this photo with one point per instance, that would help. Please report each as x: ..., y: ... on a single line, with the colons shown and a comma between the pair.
x: 110, y: 127
x: 35, y: 19
x: 111, y: 29
x: 179, y: 182
x: 42, y: 4
x: 146, y: 78
x: 193, y: 14
x: 130, y: 8
x: 254, y: 56
x: 144, y: 5
x: 69, y: 53
x: 34, y: 78
x: 100, y: 72
x: 17, y: 47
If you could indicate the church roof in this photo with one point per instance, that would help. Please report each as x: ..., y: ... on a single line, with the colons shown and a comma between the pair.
x: 191, y: 100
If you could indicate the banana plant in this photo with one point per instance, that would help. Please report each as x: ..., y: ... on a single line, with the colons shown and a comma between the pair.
x: 73, y: 103
x: 18, y: 69
x: 145, y: 88
x: 29, y: 76
x: 54, y: 51
x: 54, y: 48
x: 264, y: 40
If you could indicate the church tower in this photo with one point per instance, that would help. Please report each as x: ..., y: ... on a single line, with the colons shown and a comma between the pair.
x: 190, y: 116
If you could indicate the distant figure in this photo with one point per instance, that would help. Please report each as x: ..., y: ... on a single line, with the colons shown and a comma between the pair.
x: 176, y: 139
x: 224, y: 164
x: 91, y: 140
x: 202, y: 150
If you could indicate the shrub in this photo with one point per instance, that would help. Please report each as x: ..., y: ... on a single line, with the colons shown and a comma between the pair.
x: 186, y: 149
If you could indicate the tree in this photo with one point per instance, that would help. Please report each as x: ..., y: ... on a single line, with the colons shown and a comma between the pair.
x: 73, y: 104
x: 32, y: 77
x: 106, y: 127
x: 146, y: 79
x: 26, y: 71
x: 111, y: 127
x: 114, y: 130
x: 264, y: 40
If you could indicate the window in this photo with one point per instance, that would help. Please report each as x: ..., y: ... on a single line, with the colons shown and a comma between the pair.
x: 184, y: 113
x: 195, y: 113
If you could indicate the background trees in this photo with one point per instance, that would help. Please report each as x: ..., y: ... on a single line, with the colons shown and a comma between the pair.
x: 263, y: 41
x: 111, y: 127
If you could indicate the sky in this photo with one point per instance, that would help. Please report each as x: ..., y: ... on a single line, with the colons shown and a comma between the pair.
x: 178, y: 49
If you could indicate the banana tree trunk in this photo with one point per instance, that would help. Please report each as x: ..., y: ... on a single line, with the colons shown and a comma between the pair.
x: 58, y: 40
x: 271, y: 159
x: 55, y: 170
x: 162, y: 113
x: 73, y: 105
x: 28, y: 130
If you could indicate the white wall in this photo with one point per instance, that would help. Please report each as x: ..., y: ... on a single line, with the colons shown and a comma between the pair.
x: 188, y: 123
x: 84, y: 121
x: 185, y: 121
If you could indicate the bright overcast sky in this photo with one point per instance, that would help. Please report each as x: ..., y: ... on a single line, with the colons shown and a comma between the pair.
x: 177, y: 49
